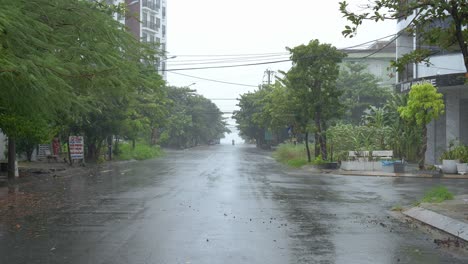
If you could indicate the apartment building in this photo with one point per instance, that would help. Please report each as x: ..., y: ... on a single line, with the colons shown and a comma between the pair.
x: 377, y: 58
x: 447, y: 73
x: 147, y: 21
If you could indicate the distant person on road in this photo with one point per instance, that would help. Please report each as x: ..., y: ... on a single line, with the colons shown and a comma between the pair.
x: 233, y: 142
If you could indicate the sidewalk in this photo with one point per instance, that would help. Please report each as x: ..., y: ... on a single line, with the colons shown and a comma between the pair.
x: 414, y: 174
x: 449, y: 216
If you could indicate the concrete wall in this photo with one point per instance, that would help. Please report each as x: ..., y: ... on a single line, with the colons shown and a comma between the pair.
x: 443, y: 64
x: 3, y: 146
x: 436, y: 140
x: 453, y: 125
x: 464, y: 121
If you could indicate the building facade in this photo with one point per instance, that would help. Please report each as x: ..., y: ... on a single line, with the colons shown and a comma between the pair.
x: 147, y: 21
x: 446, y: 71
x: 377, y: 58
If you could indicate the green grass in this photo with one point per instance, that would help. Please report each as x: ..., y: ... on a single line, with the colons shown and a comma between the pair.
x: 397, y: 208
x: 297, y: 163
x: 141, y: 152
x: 437, y: 195
x: 293, y: 156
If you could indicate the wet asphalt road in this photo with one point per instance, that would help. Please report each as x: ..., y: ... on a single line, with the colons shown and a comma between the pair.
x: 216, y: 204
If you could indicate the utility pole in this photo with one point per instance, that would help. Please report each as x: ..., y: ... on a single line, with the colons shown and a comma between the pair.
x: 269, y: 74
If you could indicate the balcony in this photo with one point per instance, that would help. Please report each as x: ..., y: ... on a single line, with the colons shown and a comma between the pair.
x: 151, y: 5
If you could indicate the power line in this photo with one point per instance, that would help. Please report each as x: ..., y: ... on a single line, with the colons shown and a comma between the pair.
x: 231, y: 58
x: 227, y: 66
x: 228, y: 55
x: 224, y: 61
x: 212, y: 80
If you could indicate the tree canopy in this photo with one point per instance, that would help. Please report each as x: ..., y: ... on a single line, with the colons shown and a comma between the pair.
x: 424, y: 104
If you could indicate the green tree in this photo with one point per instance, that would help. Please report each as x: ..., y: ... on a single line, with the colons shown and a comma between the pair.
x: 70, y: 63
x: 440, y: 23
x: 192, y: 119
x: 424, y: 104
x: 312, y: 82
x: 360, y: 90
x: 252, y: 119
x: 405, y: 138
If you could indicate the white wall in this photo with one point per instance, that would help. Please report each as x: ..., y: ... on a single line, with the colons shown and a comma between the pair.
x: 440, y: 65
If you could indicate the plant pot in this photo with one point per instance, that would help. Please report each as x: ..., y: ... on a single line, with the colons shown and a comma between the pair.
x: 398, y: 167
x: 462, y: 168
x: 332, y: 165
x: 449, y: 166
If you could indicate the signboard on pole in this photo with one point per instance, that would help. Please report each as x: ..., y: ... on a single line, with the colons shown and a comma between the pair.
x: 76, y: 144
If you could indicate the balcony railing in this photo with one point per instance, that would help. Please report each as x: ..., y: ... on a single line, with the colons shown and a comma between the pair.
x: 152, y: 5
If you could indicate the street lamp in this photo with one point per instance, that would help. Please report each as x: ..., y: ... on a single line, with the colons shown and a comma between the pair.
x: 169, y: 58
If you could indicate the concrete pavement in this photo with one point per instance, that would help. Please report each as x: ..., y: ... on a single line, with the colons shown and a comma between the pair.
x: 449, y: 216
x: 229, y: 204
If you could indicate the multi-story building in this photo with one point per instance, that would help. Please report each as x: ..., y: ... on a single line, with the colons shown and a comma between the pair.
x: 377, y: 58
x: 446, y: 71
x: 147, y: 21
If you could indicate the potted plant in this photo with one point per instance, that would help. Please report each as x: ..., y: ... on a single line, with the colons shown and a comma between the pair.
x: 449, y: 159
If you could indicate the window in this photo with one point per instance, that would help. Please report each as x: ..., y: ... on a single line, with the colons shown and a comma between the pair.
x: 158, y: 4
x: 164, y: 12
x: 163, y: 31
x: 163, y: 66
x: 145, y: 19
x: 158, y: 24
x: 144, y: 37
x: 152, y: 25
x: 158, y: 40
x: 151, y: 38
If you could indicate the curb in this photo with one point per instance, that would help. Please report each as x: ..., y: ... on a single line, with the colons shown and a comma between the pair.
x: 446, y: 224
x: 394, y: 175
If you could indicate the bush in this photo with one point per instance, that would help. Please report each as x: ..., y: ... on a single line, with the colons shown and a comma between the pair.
x: 141, y: 152
x: 297, y: 163
x: 292, y: 155
x: 437, y: 195
x: 459, y: 152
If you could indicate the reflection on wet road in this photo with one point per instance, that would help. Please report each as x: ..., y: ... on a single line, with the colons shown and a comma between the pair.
x: 216, y: 204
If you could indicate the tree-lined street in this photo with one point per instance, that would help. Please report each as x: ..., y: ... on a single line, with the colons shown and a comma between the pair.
x: 230, y: 204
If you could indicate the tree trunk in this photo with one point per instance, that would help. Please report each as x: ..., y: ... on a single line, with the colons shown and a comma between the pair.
x: 133, y: 144
x: 323, y: 146
x: 70, y: 161
x: 109, y: 147
x: 29, y: 153
x: 154, y: 136
x: 11, y: 157
x: 316, y: 145
x: 91, y: 151
x: 422, y: 153
x: 307, y: 146
x: 116, y: 147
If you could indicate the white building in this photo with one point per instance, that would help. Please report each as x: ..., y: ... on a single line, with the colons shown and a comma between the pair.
x: 147, y: 20
x: 377, y: 58
x: 447, y: 73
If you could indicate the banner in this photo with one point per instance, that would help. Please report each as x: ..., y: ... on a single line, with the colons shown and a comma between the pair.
x: 76, y: 147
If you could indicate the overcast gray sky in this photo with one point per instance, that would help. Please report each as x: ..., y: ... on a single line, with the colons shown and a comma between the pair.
x: 219, y: 27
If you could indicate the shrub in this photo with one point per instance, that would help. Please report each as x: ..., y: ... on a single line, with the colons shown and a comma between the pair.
x: 292, y: 155
x: 437, y: 195
x: 297, y: 163
x: 141, y: 152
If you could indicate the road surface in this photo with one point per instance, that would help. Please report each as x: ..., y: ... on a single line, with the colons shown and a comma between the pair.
x: 215, y: 204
